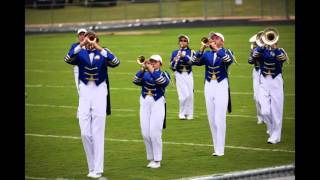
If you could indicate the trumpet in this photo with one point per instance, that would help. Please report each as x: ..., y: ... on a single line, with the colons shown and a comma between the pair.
x: 92, y: 37
x: 141, y: 60
x: 204, y: 41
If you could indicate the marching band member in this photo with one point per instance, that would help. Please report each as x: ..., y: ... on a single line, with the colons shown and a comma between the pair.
x: 255, y: 76
x: 271, y: 95
x: 181, y: 64
x: 92, y: 61
x: 152, y: 106
x: 216, y: 87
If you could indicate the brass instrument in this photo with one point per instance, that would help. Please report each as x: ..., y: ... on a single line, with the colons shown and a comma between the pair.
x: 268, y: 37
x: 258, y: 40
x: 141, y: 60
x: 92, y: 37
x: 204, y: 41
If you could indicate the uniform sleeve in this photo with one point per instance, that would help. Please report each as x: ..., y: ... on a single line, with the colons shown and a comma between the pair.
x: 137, y: 80
x: 173, y: 63
x: 71, y: 57
x: 281, y: 54
x: 112, y: 60
x: 188, y: 58
x: 161, y: 78
x: 226, y: 55
x: 251, y: 60
x: 257, y: 52
x: 198, y: 58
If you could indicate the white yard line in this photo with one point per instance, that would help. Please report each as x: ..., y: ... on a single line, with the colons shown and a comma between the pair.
x: 164, y: 142
x: 132, y: 110
x: 134, y: 89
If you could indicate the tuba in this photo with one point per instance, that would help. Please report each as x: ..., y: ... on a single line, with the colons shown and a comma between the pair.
x: 141, y: 60
x: 270, y: 36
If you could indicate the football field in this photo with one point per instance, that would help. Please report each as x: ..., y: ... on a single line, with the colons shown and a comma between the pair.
x: 53, y: 148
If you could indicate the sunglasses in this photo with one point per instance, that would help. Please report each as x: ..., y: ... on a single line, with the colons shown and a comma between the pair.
x: 183, y: 40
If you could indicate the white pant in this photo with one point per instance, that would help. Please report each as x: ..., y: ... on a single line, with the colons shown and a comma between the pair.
x: 76, y: 76
x: 151, y: 122
x: 92, y: 119
x: 216, y: 95
x: 76, y: 79
x: 271, y: 101
x: 184, y: 83
x: 256, y: 83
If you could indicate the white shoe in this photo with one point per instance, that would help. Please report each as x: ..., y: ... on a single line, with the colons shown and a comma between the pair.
x: 181, y: 117
x: 90, y: 173
x: 155, y: 165
x: 94, y: 175
x: 260, y: 122
x: 189, y: 117
x: 217, y: 154
x: 271, y: 141
x: 150, y: 164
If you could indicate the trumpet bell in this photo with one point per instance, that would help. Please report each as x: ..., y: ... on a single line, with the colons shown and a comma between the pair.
x: 204, y: 41
x: 141, y: 59
x: 270, y: 36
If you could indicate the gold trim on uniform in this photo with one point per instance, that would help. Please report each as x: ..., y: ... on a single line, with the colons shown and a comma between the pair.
x: 90, y: 68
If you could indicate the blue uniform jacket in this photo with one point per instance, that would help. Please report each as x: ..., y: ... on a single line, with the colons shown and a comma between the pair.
x: 153, y: 84
x: 270, y: 60
x: 184, y: 64
x: 219, y: 68
x: 95, y: 71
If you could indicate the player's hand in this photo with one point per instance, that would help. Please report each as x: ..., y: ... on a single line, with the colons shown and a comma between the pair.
x: 149, y: 67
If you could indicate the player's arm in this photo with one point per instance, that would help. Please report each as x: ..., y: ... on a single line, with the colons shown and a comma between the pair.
x: 257, y: 52
x: 161, y: 78
x: 226, y: 55
x: 71, y: 57
x: 281, y: 54
x: 251, y: 60
x: 137, y: 80
x: 112, y: 60
x: 188, y: 58
x: 199, y: 58
x: 174, y: 61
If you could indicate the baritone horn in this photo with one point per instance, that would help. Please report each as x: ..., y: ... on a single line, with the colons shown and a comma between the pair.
x: 270, y: 36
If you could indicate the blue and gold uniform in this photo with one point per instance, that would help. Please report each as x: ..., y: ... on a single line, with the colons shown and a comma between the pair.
x: 181, y: 64
x: 184, y: 64
x: 153, y: 84
x: 270, y: 60
x: 92, y: 71
x: 271, y: 94
x: 215, y: 69
x: 216, y: 91
x: 152, y: 108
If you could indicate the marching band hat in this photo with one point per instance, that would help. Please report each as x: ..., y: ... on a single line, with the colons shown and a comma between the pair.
x: 211, y: 34
x: 184, y: 36
x: 156, y: 57
x: 81, y: 30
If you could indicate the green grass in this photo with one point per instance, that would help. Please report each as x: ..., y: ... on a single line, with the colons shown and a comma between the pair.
x: 126, y: 11
x: 64, y: 158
